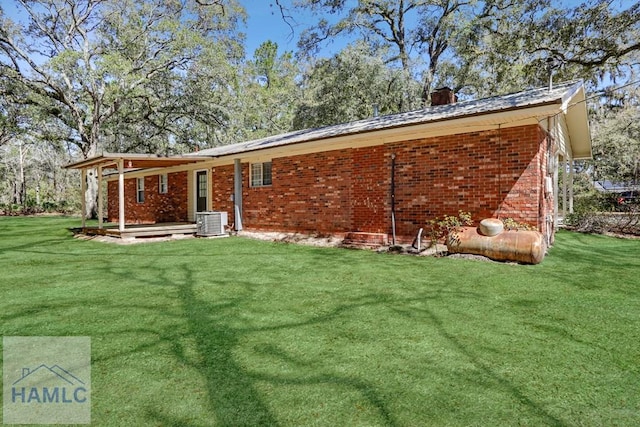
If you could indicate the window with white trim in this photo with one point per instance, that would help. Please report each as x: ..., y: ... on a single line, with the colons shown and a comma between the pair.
x: 163, y: 184
x: 260, y: 174
x: 140, y: 190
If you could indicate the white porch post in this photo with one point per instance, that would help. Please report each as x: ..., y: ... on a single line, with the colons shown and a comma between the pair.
x: 556, y: 189
x: 83, y: 196
x: 100, y: 201
x: 237, y: 193
x: 571, y: 185
x: 121, y: 194
x: 565, y: 178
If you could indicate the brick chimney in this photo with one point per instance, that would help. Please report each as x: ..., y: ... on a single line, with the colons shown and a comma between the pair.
x: 443, y: 96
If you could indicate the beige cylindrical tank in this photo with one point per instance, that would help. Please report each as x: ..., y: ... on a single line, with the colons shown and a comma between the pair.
x: 512, y: 245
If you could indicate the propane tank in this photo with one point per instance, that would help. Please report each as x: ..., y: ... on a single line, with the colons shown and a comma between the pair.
x: 512, y: 245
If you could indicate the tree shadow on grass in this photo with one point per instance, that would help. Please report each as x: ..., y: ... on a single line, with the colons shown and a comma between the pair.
x: 230, y: 386
x: 29, y: 247
x: 586, y: 251
x: 494, y: 378
x: 217, y: 330
x: 231, y: 391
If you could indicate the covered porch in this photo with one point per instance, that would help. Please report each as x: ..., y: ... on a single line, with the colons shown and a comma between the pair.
x: 109, y: 164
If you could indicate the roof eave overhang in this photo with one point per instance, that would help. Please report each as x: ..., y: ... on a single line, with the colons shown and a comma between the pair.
x: 133, y: 160
x: 576, y: 116
x: 451, y: 126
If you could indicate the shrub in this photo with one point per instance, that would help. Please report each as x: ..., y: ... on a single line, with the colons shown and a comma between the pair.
x: 439, y: 229
x: 586, y: 222
x: 49, y: 207
x: 15, y: 209
x: 512, y: 224
x: 627, y: 222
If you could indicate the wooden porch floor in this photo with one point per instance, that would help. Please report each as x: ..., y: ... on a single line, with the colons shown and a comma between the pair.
x: 141, y: 230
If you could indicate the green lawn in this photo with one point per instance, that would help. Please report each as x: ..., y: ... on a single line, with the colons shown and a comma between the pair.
x: 229, y: 332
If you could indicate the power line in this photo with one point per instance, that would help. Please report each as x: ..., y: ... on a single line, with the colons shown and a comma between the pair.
x: 605, y: 91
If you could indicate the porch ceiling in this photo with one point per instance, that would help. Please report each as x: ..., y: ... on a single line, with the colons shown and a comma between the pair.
x: 133, y: 161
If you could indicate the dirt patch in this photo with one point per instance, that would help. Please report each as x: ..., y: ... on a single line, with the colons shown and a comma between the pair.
x: 476, y: 258
x: 119, y: 241
x: 328, y: 241
x: 303, y: 239
x: 336, y: 241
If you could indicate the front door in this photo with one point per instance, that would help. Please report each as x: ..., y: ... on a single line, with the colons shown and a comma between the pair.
x: 201, y: 191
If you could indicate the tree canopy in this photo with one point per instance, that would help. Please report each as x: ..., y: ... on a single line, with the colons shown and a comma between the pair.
x: 115, y: 73
x: 483, y: 47
x: 616, y: 138
x: 169, y: 76
x: 89, y: 63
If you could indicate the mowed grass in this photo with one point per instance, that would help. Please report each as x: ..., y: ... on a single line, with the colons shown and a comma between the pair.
x: 232, y: 332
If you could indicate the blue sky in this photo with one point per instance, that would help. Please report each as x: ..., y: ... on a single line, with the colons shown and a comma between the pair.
x: 265, y: 23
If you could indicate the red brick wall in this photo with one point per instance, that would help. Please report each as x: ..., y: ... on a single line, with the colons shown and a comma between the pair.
x: 222, y: 191
x: 497, y: 173
x: 546, y: 207
x: 494, y: 173
x: 169, y: 207
x: 310, y: 193
x: 371, y: 201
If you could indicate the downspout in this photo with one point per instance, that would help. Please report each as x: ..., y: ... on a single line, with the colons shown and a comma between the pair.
x: 393, y: 198
x: 551, y: 220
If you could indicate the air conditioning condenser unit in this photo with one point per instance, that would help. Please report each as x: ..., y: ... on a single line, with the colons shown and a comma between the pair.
x: 211, y: 223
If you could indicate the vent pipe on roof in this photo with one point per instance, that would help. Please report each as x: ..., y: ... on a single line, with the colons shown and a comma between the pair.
x: 550, y: 65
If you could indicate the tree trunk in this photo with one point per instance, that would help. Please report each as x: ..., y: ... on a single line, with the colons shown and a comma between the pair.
x: 21, y: 185
x: 54, y: 184
x: 16, y: 193
x: 91, y: 195
x: 426, y: 90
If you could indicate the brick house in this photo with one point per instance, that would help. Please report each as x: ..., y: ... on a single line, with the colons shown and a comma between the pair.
x: 493, y: 157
